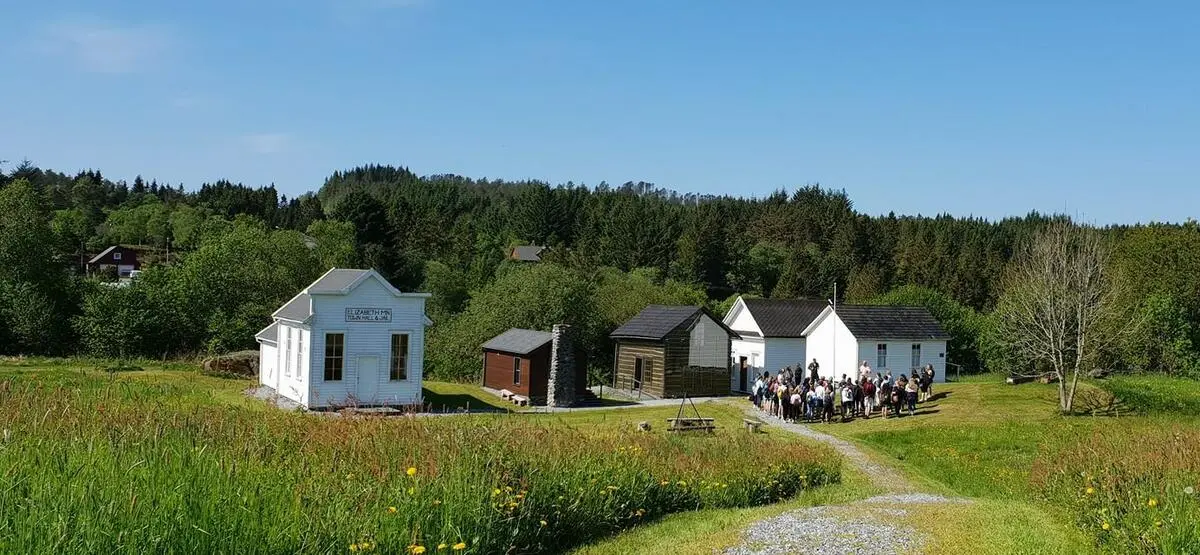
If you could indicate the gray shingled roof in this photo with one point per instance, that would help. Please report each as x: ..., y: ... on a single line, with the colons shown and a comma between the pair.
x: 903, y: 323
x: 784, y: 317
x: 269, y: 333
x: 528, y: 253
x: 335, y: 280
x: 656, y: 321
x: 297, y: 309
x: 518, y: 341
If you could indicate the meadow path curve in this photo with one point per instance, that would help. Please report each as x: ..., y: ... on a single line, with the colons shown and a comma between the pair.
x: 850, y: 528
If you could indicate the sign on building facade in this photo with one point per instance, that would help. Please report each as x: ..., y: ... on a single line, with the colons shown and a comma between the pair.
x: 368, y: 315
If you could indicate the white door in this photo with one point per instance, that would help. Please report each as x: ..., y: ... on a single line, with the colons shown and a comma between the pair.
x: 368, y: 379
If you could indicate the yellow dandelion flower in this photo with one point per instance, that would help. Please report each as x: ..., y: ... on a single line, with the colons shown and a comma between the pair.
x: 508, y: 489
x: 353, y: 547
x: 442, y: 546
x: 1105, y: 526
x: 663, y: 483
x: 412, y: 471
x: 459, y: 546
x: 543, y: 523
x: 416, y: 549
x: 496, y: 491
x: 391, y: 510
x: 1158, y: 524
x: 1090, y: 490
x: 1152, y: 503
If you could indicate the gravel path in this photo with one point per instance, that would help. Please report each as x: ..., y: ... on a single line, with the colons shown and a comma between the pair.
x: 873, y: 525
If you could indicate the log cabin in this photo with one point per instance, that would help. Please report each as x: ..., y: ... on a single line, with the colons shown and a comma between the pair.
x: 672, y: 351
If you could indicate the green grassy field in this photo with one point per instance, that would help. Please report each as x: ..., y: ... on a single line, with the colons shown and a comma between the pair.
x: 1121, y: 481
x: 166, y: 459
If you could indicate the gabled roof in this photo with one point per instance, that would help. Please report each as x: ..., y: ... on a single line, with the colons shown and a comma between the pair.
x: 269, y: 334
x: 299, y: 309
x: 97, y: 258
x: 657, y: 321
x: 784, y: 317
x: 337, y: 281
x: 899, y: 323
x: 518, y: 341
x: 528, y: 253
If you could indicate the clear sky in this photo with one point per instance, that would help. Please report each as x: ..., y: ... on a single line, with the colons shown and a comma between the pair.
x: 1088, y: 107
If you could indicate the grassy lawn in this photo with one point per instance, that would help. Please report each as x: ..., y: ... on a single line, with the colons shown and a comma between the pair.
x: 166, y: 459
x: 1007, y: 444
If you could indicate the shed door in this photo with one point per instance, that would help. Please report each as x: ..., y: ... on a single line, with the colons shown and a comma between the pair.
x: 368, y: 379
x: 638, y: 373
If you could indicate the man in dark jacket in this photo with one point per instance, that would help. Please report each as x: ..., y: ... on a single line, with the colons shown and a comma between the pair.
x: 813, y: 368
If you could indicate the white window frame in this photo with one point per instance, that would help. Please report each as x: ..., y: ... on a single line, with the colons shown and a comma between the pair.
x: 287, y: 351
x: 516, y: 370
x: 916, y: 351
x: 116, y: 256
x: 300, y: 354
x: 407, y: 354
x: 345, y: 352
x: 881, y: 353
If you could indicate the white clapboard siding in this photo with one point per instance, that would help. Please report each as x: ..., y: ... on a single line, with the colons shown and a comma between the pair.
x: 367, y: 339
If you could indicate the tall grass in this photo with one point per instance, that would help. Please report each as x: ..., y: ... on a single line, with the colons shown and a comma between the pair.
x: 1133, y: 492
x: 1155, y: 393
x: 96, y: 465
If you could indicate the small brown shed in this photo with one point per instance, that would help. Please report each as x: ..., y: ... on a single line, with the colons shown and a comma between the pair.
x: 670, y: 351
x: 519, y: 360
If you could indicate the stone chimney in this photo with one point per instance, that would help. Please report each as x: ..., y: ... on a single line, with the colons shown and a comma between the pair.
x: 560, y: 392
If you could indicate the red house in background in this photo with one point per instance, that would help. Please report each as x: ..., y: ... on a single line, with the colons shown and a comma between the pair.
x: 519, y: 361
x: 124, y: 259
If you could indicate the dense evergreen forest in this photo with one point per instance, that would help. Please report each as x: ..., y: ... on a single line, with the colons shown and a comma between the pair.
x: 225, y: 255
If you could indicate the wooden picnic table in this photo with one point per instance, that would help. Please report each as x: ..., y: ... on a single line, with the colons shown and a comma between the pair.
x: 690, y: 424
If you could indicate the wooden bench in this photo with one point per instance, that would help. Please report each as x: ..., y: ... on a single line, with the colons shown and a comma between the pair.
x: 690, y: 424
x: 751, y: 425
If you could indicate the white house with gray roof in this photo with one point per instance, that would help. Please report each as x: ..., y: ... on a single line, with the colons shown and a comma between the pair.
x: 348, y: 339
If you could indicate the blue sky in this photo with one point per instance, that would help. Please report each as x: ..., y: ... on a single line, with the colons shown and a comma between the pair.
x: 915, y: 107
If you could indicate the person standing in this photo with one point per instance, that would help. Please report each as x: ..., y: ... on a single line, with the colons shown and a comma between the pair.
x: 814, y: 370
x: 911, y: 395
x: 868, y: 390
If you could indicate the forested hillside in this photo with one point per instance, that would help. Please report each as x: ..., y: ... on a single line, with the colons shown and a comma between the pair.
x: 225, y: 255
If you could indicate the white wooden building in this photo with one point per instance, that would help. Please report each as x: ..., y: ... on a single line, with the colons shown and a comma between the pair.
x: 772, y: 336
x: 348, y: 339
x: 895, y: 338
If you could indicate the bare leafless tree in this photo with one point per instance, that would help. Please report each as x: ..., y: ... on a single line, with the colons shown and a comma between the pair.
x: 1059, y: 307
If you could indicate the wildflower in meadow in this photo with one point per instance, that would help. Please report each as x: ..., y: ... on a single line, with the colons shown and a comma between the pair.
x: 1158, y: 524
x: 1090, y: 490
x: 682, y: 484
x: 1105, y: 526
x: 1189, y: 490
x: 412, y: 471
x: 391, y: 510
x: 416, y: 549
x: 1152, y: 503
x: 543, y: 523
x: 437, y: 502
x: 496, y: 491
x: 459, y: 546
x: 663, y: 483
x: 441, y: 546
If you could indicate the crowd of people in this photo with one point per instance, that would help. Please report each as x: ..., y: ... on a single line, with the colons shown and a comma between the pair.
x: 793, y: 397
